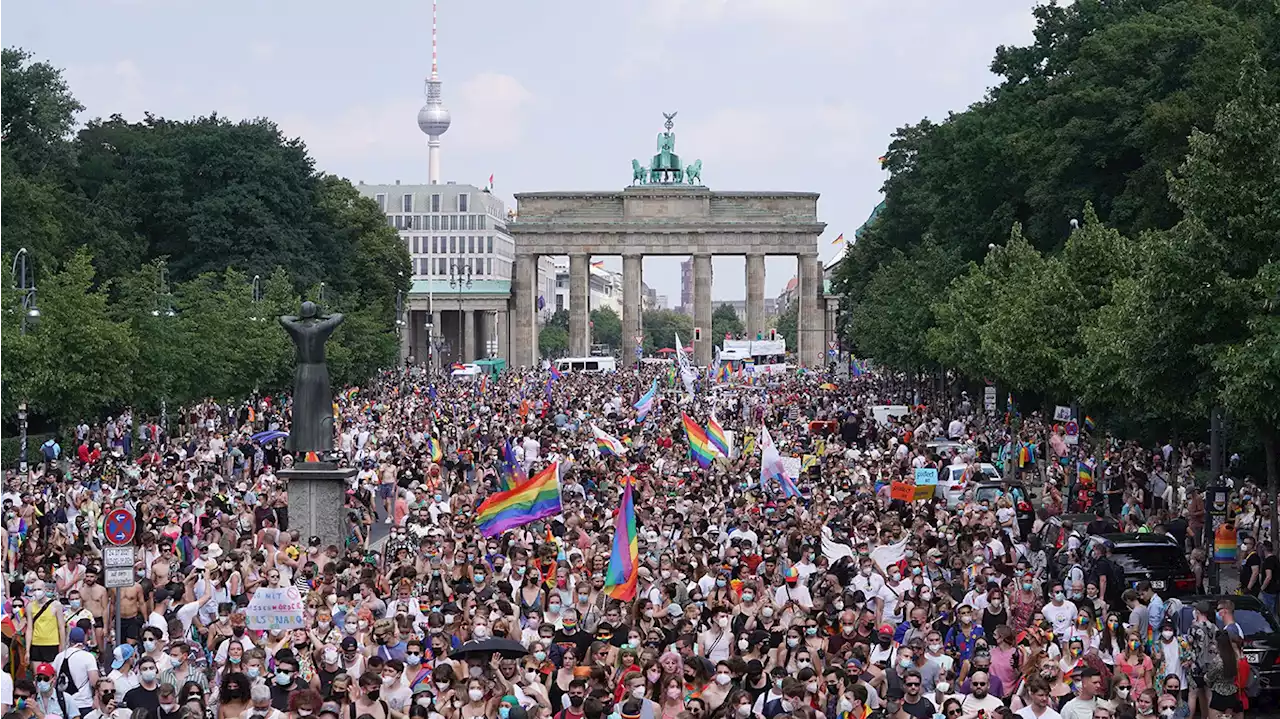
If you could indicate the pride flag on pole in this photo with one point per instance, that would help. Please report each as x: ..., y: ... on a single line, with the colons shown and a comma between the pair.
x: 646, y: 402
x: 715, y: 433
x: 699, y: 445
x: 536, y: 499
x: 607, y: 443
x: 512, y: 473
x: 624, y: 561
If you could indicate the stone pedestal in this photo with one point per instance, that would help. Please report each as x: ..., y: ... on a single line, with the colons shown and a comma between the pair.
x: 317, y: 495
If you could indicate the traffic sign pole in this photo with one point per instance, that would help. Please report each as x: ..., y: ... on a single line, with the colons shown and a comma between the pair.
x: 119, y: 528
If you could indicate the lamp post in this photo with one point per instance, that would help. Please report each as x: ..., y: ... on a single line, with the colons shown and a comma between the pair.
x: 164, y: 308
x: 460, y: 279
x: 24, y: 281
x: 400, y: 325
x: 320, y: 300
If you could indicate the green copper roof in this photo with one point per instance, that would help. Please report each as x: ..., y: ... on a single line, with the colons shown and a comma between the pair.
x: 874, y: 214
x: 478, y: 287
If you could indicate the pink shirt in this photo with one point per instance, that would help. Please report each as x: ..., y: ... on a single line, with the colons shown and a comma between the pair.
x: 1002, y: 667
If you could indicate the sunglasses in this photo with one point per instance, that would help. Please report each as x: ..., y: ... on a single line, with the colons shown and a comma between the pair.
x: 979, y: 684
x: 912, y: 684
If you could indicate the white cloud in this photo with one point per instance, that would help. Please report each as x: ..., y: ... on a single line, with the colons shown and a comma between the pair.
x: 262, y: 51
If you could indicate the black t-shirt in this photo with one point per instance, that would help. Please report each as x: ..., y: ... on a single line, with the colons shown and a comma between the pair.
x: 1246, y: 573
x: 579, y: 642
x: 139, y: 698
x: 923, y: 708
x: 1104, y: 567
x: 1271, y: 563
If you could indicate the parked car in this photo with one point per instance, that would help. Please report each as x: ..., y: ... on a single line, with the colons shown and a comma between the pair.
x: 952, y: 482
x: 1260, y: 627
x: 1156, y: 558
x: 989, y: 490
x: 1053, y: 535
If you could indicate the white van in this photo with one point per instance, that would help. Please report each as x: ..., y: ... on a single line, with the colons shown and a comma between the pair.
x: 587, y: 364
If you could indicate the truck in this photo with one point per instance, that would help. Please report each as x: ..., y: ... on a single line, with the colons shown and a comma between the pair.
x: 762, y: 356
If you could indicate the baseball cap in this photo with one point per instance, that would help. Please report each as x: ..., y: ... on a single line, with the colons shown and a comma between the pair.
x: 44, y: 669
x: 330, y: 708
x: 161, y: 595
x: 349, y: 643
x: 123, y: 653
x: 76, y: 635
x: 885, y: 629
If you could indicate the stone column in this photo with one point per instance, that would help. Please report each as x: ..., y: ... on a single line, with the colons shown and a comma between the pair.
x: 579, y: 296
x: 470, y: 336
x: 406, y: 336
x: 437, y: 333
x: 755, y: 297
x: 809, y: 316
x: 504, y: 346
x: 632, y: 276
x: 702, y: 308
x: 524, y: 300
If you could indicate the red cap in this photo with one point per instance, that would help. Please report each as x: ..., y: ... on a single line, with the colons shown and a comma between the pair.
x: 886, y: 629
x: 44, y: 669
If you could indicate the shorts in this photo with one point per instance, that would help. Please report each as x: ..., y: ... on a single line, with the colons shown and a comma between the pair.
x: 43, y: 653
x: 1224, y: 702
x: 97, y: 622
x: 386, y: 491
x: 131, y: 628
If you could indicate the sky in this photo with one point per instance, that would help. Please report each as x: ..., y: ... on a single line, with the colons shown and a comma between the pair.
x: 794, y: 95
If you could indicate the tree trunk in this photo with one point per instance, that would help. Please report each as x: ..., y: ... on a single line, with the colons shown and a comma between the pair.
x: 1273, y: 480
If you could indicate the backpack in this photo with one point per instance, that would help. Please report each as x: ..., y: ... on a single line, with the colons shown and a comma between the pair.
x: 65, y: 682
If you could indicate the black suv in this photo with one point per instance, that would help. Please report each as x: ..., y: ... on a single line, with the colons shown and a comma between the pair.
x: 1260, y: 628
x: 1156, y: 558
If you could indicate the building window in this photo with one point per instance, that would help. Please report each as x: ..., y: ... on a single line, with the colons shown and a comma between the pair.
x: 464, y: 200
x: 453, y: 245
x: 484, y: 220
x: 491, y: 244
x: 440, y: 267
x: 391, y: 221
x: 407, y: 203
x: 489, y: 263
x: 435, y: 203
x: 471, y: 222
x: 381, y: 200
x: 453, y: 222
x: 471, y: 245
x: 435, y: 222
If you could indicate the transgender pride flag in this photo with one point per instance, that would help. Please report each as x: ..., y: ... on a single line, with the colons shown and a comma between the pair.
x: 646, y: 402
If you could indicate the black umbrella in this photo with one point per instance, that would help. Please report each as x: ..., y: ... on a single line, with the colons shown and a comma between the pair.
x: 486, y: 648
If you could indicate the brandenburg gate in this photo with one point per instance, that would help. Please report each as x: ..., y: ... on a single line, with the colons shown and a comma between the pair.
x: 666, y: 211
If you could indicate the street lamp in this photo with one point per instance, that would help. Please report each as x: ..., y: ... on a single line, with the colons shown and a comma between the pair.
x: 164, y: 308
x: 321, y: 299
x: 460, y: 279
x: 24, y: 281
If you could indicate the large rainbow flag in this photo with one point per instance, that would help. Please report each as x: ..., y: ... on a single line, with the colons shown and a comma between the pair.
x: 608, y: 445
x: 535, y: 499
x: 716, y: 434
x: 699, y: 445
x: 624, y: 562
x: 434, y: 449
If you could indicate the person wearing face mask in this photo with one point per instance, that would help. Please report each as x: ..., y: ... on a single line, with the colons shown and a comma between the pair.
x: 146, y: 695
x: 81, y: 669
x: 260, y: 705
x: 105, y: 705
x: 239, y: 635
x: 285, y: 681
x: 1060, y: 611
x: 791, y: 699
x: 46, y: 633
x: 49, y: 700
x: 394, y: 690
x: 369, y: 700
x: 717, y: 642
x: 328, y: 667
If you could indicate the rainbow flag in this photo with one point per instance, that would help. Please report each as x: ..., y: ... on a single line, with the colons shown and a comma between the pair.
x: 434, y: 449
x: 699, y: 444
x: 535, y: 499
x: 484, y: 383
x: 512, y: 473
x: 646, y: 402
x: 350, y: 394
x: 608, y: 445
x: 458, y: 365
x: 624, y: 562
x: 1084, y: 472
x: 1088, y: 423
x: 724, y: 373
x: 858, y: 367
x: 1224, y: 548
x: 715, y: 433
x: 555, y: 373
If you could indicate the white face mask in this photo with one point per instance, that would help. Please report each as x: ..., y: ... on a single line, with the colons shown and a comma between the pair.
x: 723, y: 679
x: 475, y: 694
x: 942, y: 687
x: 637, y: 692
x: 744, y: 710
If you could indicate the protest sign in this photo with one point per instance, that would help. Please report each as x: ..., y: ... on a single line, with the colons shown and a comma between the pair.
x: 275, y: 609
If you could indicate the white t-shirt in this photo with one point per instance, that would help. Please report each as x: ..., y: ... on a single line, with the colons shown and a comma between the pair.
x: 79, y: 664
x: 971, y: 705
x: 1061, y: 617
x: 1028, y: 712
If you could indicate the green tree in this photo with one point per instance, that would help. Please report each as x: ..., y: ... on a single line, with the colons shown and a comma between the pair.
x: 785, y: 323
x: 606, y: 327
x: 553, y: 341
x: 661, y: 328
x: 891, y: 320
x: 724, y: 321
x: 37, y: 112
x: 77, y: 360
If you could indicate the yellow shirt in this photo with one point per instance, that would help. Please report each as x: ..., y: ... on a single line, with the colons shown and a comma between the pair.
x: 45, y: 630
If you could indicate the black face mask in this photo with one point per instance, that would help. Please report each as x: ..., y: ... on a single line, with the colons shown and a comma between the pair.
x: 576, y: 701
x: 238, y: 631
x: 373, y: 694
x: 108, y: 696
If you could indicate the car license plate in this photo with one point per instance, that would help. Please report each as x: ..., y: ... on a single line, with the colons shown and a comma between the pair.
x: 1157, y: 584
x: 1253, y: 657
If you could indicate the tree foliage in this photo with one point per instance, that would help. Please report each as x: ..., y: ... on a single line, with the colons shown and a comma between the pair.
x: 210, y: 202
x: 606, y: 327
x: 724, y: 321
x: 661, y: 328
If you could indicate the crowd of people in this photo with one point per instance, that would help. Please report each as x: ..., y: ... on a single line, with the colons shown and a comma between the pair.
x: 750, y: 602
